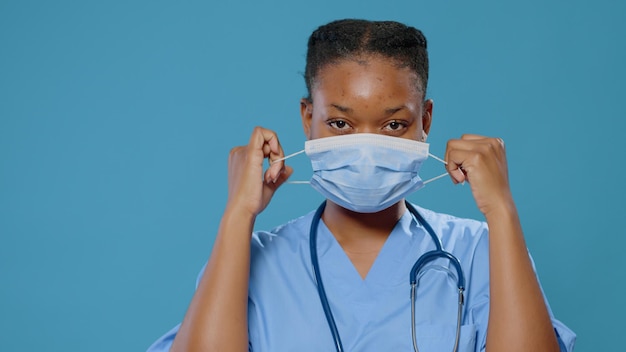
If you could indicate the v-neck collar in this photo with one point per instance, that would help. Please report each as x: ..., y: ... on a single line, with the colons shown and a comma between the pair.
x: 386, y: 271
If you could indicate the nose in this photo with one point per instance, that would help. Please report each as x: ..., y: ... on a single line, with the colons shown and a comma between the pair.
x: 367, y: 129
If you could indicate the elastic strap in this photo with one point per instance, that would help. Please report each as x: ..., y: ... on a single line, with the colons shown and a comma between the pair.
x: 287, y: 157
x: 440, y: 176
x: 307, y: 182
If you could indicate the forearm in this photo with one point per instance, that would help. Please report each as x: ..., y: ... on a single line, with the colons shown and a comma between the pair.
x: 217, y: 316
x: 518, y: 316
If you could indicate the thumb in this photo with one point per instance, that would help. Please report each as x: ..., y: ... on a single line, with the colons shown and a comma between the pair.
x: 271, y: 187
x: 282, y: 178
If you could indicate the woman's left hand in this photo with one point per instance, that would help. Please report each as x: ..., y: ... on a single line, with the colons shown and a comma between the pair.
x: 481, y: 161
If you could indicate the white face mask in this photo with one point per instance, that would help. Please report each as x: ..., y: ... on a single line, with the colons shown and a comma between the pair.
x: 366, y: 172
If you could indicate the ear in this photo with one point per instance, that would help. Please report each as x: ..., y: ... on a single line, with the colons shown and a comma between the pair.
x: 427, y: 118
x: 306, y: 113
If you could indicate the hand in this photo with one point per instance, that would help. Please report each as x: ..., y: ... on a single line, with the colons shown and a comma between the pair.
x: 481, y: 161
x: 248, y: 186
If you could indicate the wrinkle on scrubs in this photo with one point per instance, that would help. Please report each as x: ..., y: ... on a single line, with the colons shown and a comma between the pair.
x: 372, y: 314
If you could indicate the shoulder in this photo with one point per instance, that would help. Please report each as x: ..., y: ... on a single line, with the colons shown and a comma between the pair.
x: 467, y: 239
x: 447, y: 225
x: 289, y: 234
x: 278, y: 258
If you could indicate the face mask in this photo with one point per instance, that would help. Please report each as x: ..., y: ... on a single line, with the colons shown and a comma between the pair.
x: 366, y: 172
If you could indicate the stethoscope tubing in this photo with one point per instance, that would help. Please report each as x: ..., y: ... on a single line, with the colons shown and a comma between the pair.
x: 318, y: 278
x: 419, y: 265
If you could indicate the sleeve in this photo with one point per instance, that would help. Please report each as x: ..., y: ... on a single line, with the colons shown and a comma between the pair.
x: 565, y: 336
x: 164, y: 343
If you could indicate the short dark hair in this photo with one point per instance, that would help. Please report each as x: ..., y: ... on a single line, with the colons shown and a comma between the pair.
x: 350, y: 38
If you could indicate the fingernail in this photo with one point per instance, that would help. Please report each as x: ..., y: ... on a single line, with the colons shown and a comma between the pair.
x: 278, y: 175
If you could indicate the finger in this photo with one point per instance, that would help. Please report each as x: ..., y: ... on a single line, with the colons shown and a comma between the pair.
x: 472, y: 137
x: 270, y: 188
x: 269, y: 140
x: 483, y: 146
x: 272, y: 150
x: 457, y: 173
x: 501, y: 141
x: 472, y: 156
x: 261, y: 136
x: 274, y: 144
x: 266, y: 150
x: 493, y: 141
x: 272, y: 174
x: 258, y: 145
x: 274, y: 171
x: 282, y: 178
x: 459, y: 152
x: 459, y: 163
x: 454, y: 145
x: 266, y: 141
x: 275, y: 150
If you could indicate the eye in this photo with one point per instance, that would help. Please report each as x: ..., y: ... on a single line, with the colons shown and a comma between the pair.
x: 395, y: 126
x: 340, y: 125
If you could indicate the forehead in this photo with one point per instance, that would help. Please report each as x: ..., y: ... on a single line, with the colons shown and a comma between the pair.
x: 371, y: 77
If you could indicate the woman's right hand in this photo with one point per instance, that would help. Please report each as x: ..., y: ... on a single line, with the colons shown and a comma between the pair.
x: 217, y: 318
x: 249, y: 188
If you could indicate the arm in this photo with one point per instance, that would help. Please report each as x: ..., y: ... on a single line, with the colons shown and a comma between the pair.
x: 216, y: 319
x: 518, y: 316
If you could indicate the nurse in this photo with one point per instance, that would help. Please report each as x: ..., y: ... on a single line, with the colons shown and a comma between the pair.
x: 367, y: 86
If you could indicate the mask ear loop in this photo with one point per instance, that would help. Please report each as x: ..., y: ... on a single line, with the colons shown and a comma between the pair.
x: 440, y: 176
x: 307, y: 182
x: 287, y: 157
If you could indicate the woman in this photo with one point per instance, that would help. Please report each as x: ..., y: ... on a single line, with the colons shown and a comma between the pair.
x: 367, y: 85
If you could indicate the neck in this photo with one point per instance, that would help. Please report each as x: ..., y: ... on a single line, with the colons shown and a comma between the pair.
x: 361, y: 235
x: 351, y: 227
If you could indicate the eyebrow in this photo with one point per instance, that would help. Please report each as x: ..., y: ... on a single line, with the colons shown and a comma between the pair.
x: 394, y: 110
x: 343, y: 109
x: 388, y: 111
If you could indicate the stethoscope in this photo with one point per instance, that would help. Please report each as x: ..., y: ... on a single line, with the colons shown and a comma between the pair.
x: 426, y: 258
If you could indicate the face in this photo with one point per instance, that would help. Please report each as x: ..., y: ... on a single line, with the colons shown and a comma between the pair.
x: 371, y: 95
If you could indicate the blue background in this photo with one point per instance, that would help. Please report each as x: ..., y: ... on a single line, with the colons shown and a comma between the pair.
x: 116, y: 119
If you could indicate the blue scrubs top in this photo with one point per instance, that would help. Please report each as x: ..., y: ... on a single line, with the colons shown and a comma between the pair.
x: 285, y: 313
